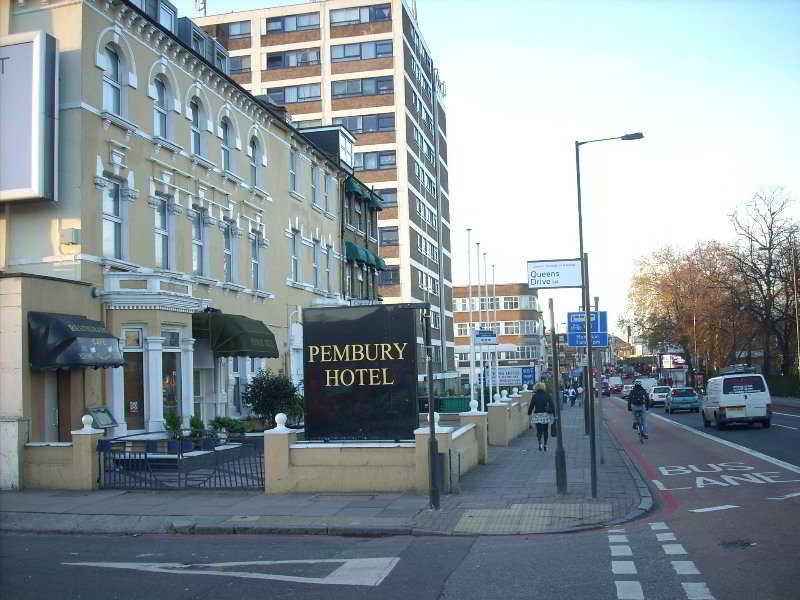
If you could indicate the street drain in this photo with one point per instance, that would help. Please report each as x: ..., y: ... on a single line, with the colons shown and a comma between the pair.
x: 737, y: 544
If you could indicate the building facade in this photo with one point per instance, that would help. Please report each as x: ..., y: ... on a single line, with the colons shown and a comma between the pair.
x: 190, y: 226
x: 512, y: 312
x: 363, y: 64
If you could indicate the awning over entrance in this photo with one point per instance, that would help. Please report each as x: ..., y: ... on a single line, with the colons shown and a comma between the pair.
x: 234, y: 335
x: 60, y: 341
x: 355, y: 253
x: 354, y: 186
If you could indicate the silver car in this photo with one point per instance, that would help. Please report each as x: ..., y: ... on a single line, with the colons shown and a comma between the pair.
x: 658, y: 395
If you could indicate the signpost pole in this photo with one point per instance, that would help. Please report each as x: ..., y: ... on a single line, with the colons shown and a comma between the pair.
x: 589, y: 392
x: 486, y: 295
x: 470, y: 325
x: 481, y: 378
x: 494, y: 320
x: 561, y: 463
x: 433, y: 446
x: 600, y: 395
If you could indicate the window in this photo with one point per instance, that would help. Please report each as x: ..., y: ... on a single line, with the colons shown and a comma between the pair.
x: 198, y: 241
x: 290, y: 59
x: 744, y: 384
x: 348, y: 284
x: 489, y: 303
x: 255, y: 260
x: 293, y: 23
x: 293, y: 170
x: 112, y: 90
x: 329, y: 251
x: 239, y: 64
x: 227, y: 252
x: 326, y: 183
x: 161, y: 232
x: 373, y: 161
x: 255, y: 159
x: 388, y: 236
x: 238, y: 30
x: 462, y: 329
x: 225, y: 130
x: 528, y: 327
x: 436, y: 320
x: 294, y: 94
x: 510, y: 302
x: 390, y: 276
x: 358, y: 216
x: 362, y: 51
x: 194, y: 109
x: 316, y: 190
x: 388, y: 195
x: 365, y: 14
x: 511, y: 328
x: 112, y: 221
x: 367, y: 123
x: 362, y: 87
x: 295, y: 255
x: 315, y: 258
x: 160, y: 109
x: 171, y: 373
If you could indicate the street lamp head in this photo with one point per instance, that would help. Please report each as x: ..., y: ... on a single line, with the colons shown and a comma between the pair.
x: 632, y: 136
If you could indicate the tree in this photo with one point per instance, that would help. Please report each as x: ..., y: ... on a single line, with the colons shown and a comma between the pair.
x: 268, y: 394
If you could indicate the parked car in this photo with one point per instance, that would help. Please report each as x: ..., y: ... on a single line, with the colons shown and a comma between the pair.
x: 658, y: 395
x: 615, y: 384
x: 737, y: 398
x: 626, y: 390
x: 682, y: 398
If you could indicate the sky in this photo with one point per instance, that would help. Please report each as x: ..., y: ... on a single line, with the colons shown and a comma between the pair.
x: 713, y: 85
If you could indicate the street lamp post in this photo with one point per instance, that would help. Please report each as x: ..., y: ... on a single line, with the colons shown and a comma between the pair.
x: 586, y: 296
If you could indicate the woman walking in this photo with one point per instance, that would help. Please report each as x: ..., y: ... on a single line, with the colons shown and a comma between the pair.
x: 541, y: 409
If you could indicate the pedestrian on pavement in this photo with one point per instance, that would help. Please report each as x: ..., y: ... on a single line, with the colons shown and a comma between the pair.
x: 580, y: 395
x: 541, y: 408
x: 572, y: 395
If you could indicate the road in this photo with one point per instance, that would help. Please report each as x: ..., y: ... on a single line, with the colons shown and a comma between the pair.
x: 744, y: 544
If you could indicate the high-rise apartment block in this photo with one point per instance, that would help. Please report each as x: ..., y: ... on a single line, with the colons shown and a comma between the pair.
x: 363, y: 64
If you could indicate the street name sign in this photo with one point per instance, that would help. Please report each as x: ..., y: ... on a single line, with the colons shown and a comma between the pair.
x: 598, y: 322
x: 578, y: 339
x: 485, y: 337
x: 549, y: 274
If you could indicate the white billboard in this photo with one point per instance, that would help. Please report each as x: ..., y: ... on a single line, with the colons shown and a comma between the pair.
x: 545, y: 274
x: 28, y: 116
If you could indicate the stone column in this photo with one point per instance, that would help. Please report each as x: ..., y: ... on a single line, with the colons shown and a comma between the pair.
x: 277, y: 445
x: 499, y: 418
x: 154, y: 393
x: 14, y: 371
x: 85, y: 466
x: 187, y: 380
x: 421, y: 436
x: 116, y: 388
x: 481, y: 421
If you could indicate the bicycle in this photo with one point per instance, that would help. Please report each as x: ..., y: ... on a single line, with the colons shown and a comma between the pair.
x: 637, y: 425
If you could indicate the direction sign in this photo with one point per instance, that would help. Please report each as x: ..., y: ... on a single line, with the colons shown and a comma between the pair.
x: 598, y: 321
x: 578, y: 339
x: 548, y: 274
x: 485, y: 337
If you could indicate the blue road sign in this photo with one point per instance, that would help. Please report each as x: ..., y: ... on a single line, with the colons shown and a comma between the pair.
x: 578, y: 339
x: 575, y: 322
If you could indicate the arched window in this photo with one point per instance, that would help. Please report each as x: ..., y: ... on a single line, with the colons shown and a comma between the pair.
x: 225, y: 128
x: 196, y: 138
x: 160, y: 108
x: 112, y: 90
x: 255, y: 157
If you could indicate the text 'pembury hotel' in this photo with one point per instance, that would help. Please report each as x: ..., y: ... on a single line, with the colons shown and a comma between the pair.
x: 363, y: 376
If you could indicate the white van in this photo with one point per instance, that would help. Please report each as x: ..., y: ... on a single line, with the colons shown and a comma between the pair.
x: 648, y: 383
x: 737, y: 398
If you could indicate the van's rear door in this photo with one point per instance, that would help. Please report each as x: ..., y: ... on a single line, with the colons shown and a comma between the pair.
x: 744, y: 395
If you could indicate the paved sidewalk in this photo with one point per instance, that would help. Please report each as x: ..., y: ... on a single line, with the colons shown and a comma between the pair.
x: 513, y: 494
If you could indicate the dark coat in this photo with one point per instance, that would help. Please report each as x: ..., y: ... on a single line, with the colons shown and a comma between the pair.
x: 541, y: 403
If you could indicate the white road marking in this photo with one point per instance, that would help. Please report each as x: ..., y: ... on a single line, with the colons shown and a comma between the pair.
x: 353, y: 571
x: 775, y: 461
x: 623, y: 567
x: 697, y: 591
x: 713, y: 508
x: 621, y: 551
x: 786, y: 414
x: 629, y: 590
x: 658, y: 525
x: 784, y: 497
x: 784, y: 426
x: 665, y: 537
x: 617, y: 530
x: 617, y: 539
x: 673, y: 549
x: 685, y: 567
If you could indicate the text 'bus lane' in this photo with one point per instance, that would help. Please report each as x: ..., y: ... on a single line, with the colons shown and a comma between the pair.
x: 710, y: 475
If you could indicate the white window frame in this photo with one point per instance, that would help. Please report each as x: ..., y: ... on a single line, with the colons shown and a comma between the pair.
x: 160, y: 115
x: 316, y: 190
x: 195, y: 129
x: 199, y: 243
x: 293, y: 157
x: 225, y: 144
x: 316, y: 263
x: 111, y: 80
x: 328, y: 252
x: 161, y: 234
x: 295, y: 264
x: 227, y: 253
x: 254, y: 156
x: 116, y: 221
x: 255, y: 261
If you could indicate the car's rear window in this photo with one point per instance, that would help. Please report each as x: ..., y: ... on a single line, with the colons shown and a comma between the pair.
x: 683, y: 392
x: 743, y: 384
x: 660, y: 390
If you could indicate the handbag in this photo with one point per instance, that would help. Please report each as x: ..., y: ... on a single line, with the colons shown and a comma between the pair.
x: 553, y: 429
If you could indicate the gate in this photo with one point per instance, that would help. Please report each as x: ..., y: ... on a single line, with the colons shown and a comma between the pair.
x: 204, y: 460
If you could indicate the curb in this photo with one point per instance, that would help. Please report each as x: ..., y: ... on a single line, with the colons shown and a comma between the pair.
x: 646, y: 500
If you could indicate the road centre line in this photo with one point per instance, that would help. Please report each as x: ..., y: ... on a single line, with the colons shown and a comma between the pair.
x: 629, y: 590
x: 697, y: 591
x: 746, y: 450
x: 713, y: 508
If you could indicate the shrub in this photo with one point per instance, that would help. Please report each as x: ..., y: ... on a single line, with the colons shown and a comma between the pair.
x: 196, y: 423
x: 228, y: 424
x: 172, y: 423
x: 268, y: 394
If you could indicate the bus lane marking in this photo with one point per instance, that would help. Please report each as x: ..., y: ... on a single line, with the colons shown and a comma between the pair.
x: 716, y: 474
x: 786, y: 496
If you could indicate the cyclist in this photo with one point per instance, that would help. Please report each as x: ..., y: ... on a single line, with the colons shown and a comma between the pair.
x: 639, y: 402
